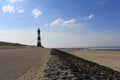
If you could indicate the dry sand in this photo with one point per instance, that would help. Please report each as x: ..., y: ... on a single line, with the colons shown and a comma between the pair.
x: 109, y: 59
x: 19, y: 63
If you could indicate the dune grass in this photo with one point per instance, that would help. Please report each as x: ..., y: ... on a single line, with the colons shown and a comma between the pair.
x: 10, y: 44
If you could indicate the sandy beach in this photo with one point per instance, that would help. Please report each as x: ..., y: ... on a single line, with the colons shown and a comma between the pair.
x: 109, y: 59
x: 65, y: 66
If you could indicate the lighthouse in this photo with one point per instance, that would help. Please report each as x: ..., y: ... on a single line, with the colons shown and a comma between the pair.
x: 38, y: 39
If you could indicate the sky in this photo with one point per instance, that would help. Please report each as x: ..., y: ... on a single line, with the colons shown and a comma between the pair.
x: 63, y: 23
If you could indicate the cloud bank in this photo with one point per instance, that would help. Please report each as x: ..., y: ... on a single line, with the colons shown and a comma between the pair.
x: 55, y: 39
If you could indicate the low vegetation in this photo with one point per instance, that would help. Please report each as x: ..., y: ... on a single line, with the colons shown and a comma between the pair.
x: 10, y: 44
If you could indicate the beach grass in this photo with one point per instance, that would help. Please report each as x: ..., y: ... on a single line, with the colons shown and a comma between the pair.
x: 10, y: 44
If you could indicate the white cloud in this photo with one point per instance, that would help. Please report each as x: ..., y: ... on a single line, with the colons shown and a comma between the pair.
x: 20, y: 9
x: 8, y: 8
x: 57, y: 22
x: 68, y: 22
x: 89, y: 17
x: 61, y: 22
x: 11, y: 9
x: 13, y: 1
x: 36, y: 12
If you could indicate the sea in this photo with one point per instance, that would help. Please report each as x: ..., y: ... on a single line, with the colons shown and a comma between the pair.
x: 103, y: 48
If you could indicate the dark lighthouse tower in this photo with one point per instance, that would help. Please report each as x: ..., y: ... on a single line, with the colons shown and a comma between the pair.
x: 38, y: 39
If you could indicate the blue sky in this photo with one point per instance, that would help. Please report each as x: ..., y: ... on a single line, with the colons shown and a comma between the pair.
x: 63, y: 23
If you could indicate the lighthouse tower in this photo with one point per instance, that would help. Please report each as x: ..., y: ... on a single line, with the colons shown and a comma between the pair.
x: 38, y: 39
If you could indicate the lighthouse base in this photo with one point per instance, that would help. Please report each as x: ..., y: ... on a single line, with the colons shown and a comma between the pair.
x: 39, y: 45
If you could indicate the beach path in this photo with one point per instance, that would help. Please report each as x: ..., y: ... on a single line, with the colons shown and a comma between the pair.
x: 16, y: 62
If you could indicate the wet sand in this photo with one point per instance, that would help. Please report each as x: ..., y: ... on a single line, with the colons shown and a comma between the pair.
x: 109, y: 59
x: 15, y: 63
